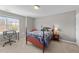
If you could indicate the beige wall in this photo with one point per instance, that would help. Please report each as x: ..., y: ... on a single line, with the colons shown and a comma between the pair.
x: 30, y: 23
x: 66, y: 22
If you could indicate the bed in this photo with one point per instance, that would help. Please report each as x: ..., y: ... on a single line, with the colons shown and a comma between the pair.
x: 39, y: 38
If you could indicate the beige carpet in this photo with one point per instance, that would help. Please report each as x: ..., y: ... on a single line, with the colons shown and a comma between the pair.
x: 54, y: 47
x: 62, y: 47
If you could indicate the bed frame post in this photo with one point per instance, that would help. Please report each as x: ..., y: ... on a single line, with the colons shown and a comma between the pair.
x: 43, y: 42
x: 26, y: 36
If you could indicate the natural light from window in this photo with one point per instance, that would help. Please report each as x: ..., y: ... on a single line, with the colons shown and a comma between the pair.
x: 8, y: 24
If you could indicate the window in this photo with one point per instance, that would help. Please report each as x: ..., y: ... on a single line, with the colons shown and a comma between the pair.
x: 9, y: 24
x: 2, y: 24
x: 12, y: 24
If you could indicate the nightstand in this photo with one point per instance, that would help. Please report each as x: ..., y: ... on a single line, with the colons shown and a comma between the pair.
x: 56, y: 37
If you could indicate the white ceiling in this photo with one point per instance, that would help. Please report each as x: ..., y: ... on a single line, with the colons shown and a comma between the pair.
x: 45, y: 10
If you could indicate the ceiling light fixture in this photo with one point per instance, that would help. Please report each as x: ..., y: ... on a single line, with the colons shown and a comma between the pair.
x: 36, y: 7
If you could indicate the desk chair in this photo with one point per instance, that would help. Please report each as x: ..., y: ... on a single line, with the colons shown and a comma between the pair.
x: 9, y: 35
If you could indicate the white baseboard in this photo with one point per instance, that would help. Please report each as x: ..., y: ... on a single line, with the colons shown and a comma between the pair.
x: 69, y: 42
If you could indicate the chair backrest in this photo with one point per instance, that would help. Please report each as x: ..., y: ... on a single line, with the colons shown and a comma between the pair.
x: 5, y: 35
x: 9, y: 34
